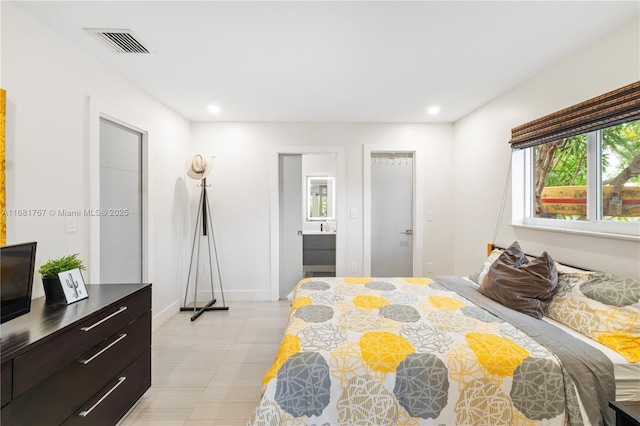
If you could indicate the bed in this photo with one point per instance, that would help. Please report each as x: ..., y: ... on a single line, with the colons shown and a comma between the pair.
x: 421, y: 351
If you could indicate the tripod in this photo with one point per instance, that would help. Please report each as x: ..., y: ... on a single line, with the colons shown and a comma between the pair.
x: 204, y: 228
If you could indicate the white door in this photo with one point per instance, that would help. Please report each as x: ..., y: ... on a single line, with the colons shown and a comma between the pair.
x: 290, y: 205
x: 391, y: 214
x: 120, y: 204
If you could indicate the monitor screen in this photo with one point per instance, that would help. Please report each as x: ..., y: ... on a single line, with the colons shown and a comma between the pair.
x: 17, y: 264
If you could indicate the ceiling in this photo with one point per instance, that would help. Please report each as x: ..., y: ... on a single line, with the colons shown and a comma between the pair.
x: 334, y: 61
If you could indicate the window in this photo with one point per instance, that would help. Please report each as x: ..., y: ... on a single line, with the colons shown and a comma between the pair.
x: 585, y: 178
x: 560, y: 170
x: 620, y: 165
x: 560, y: 179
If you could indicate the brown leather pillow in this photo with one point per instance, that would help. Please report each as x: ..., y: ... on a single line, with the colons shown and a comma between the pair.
x: 525, y: 286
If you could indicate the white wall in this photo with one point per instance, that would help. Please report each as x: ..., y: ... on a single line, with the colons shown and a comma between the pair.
x: 48, y: 83
x: 482, y: 157
x: 240, y: 193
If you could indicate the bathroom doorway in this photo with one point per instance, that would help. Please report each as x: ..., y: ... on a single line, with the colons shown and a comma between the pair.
x: 290, y: 207
x: 289, y: 213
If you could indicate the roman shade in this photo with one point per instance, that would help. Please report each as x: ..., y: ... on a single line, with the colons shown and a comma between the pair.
x: 610, y: 109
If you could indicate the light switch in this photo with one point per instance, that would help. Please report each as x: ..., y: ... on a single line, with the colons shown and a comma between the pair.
x: 71, y: 224
x: 429, y: 215
x: 353, y: 213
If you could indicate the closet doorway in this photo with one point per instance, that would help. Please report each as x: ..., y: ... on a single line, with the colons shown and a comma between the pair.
x: 121, y: 203
x: 392, y: 210
x: 391, y: 214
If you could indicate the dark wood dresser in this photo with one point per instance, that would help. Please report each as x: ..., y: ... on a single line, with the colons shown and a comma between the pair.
x: 84, y: 363
x: 627, y: 412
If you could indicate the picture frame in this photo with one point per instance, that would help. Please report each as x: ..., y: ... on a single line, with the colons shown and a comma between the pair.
x: 3, y: 171
x: 73, y: 285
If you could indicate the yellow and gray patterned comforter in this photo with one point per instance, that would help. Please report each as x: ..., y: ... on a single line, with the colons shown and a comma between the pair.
x: 406, y: 351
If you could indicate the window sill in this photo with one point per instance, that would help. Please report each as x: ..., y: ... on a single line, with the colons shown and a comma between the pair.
x: 609, y: 235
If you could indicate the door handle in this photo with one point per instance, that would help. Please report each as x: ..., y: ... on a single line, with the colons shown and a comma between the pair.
x: 300, y: 233
x: 85, y: 413
x: 108, y: 317
x: 407, y: 232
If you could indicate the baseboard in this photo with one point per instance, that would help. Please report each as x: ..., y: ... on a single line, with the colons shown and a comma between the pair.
x: 234, y: 296
x: 165, y: 315
x: 229, y: 296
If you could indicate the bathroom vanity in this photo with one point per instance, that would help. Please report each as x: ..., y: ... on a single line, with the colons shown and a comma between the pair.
x: 319, y: 255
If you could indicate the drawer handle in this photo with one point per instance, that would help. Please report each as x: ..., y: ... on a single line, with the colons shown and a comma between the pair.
x: 87, y: 412
x: 88, y: 360
x: 122, y: 309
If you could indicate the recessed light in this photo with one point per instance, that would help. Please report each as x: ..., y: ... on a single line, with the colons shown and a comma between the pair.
x: 433, y: 110
x: 214, y: 109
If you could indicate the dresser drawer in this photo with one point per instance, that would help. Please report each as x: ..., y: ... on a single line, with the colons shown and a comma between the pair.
x: 114, y: 400
x: 42, y: 361
x: 6, y: 382
x: 83, y: 377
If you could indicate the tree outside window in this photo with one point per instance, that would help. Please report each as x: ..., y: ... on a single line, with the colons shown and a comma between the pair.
x: 561, y: 175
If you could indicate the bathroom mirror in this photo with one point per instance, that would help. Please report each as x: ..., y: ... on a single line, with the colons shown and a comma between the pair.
x: 320, y: 198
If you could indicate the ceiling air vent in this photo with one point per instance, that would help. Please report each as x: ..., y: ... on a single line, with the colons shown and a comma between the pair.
x: 120, y: 41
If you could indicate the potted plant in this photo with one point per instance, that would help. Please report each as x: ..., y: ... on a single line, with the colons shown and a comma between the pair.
x: 50, y: 270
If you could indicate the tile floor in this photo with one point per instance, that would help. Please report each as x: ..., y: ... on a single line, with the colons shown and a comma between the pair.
x: 208, y: 372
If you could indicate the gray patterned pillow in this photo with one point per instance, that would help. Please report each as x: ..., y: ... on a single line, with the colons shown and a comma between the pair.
x: 612, y: 290
x: 604, y: 307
